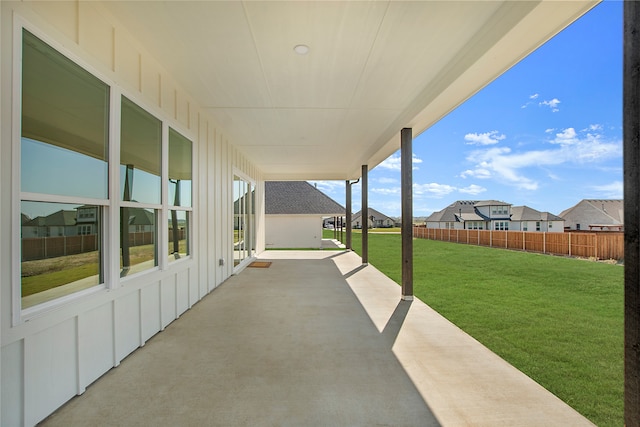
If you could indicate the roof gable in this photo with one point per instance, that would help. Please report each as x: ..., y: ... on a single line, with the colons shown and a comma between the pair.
x: 298, y: 198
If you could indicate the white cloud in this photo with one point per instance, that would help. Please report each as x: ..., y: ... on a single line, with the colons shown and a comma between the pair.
x: 433, y: 189
x: 429, y: 190
x: 552, y: 104
x: 566, y: 137
x: 613, y: 190
x: 479, y: 172
x: 328, y: 187
x: 386, y: 191
x: 531, y: 97
x: 472, y: 189
x: 502, y: 164
x: 393, y: 162
x: 384, y: 180
x: 594, y: 128
x: 487, y: 138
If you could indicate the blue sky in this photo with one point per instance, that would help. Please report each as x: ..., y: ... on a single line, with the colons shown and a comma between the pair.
x: 546, y: 134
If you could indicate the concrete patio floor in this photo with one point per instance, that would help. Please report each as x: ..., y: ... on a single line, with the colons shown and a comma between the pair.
x: 315, y: 339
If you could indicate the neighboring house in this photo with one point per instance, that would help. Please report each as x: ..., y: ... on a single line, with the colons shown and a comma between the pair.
x: 60, y: 223
x: 493, y: 215
x: 525, y: 218
x: 82, y: 221
x: 294, y: 213
x: 595, y: 214
x: 374, y: 219
x: 141, y: 220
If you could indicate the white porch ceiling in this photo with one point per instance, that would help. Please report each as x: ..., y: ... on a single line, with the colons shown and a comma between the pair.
x: 373, y: 68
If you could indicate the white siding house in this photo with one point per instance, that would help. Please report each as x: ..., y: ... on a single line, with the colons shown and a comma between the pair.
x: 294, y: 212
x: 183, y: 110
x: 374, y: 219
x: 493, y: 215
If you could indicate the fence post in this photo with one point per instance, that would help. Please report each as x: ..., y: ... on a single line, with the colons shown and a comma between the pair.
x: 544, y: 242
x: 524, y: 241
x: 570, y: 244
x: 595, y: 244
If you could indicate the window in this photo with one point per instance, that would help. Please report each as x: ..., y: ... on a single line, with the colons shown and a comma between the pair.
x: 64, y: 181
x: 499, y: 210
x: 550, y: 225
x: 140, y: 188
x: 180, y: 176
x: 63, y: 152
x: 537, y: 225
x: 475, y: 225
x: 525, y: 226
x: 577, y: 226
x: 501, y: 225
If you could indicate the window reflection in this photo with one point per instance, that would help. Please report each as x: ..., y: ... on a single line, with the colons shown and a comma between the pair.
x: 63, y: 152
x: 140, y: 155
x: 178, y: 234
x: 60, y: 250
x: 180, y: 173
x: 140, y: 187
x: 64, y: 125
x: 50, y: 169
x: 138, y: 249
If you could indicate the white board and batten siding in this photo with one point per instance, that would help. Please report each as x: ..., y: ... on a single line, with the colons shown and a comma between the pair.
x: 293, y: 231
x: 56, y: 354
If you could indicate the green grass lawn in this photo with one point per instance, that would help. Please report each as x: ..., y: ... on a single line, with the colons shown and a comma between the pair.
x: 559, y: 320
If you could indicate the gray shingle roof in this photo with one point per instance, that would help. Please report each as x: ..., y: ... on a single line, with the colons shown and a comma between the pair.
x: 298, y: 198
x: 596, y: 211
x: 492, y: 203
x: 377, y: 214
x: 525, y: 213
x: 456, y: 208
x: 59, y: 218
x: 466, y: 209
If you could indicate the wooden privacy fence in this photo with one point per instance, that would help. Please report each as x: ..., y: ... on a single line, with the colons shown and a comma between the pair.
x: 50, y: 247
x: 603, y: 245
x: 34, y: 248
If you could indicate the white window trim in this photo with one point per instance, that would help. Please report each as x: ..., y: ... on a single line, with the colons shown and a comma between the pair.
x: 111, y: 206
x: 240, y: 174
x: 163, y: 231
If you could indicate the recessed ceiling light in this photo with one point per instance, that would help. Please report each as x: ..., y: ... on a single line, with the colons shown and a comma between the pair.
x: 301, y: 49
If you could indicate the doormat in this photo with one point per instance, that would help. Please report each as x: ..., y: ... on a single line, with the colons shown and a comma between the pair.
x: 260, y: 264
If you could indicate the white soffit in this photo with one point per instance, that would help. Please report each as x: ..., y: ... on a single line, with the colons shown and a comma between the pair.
x: 372, y: 69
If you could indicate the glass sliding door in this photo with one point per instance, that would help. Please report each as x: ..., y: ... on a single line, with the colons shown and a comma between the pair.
x: 243, y: 219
